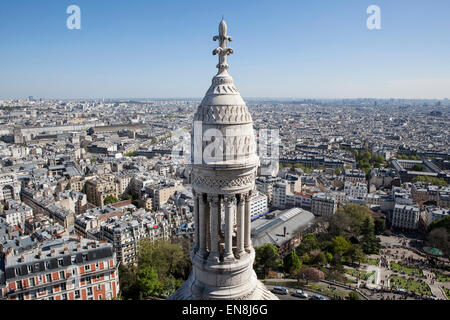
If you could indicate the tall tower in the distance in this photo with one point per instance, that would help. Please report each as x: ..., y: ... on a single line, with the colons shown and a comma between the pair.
x: 223, y: 176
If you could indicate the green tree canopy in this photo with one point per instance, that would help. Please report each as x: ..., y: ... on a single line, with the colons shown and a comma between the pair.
x: 291, y: 262
x: 355, y: 254
x: 308, y: 243
x: 354, y: 296
x: 340, y: 245
x: 147, y: 281
x: 110, y: 199
x: 267, y: 258
x: 440, y: 223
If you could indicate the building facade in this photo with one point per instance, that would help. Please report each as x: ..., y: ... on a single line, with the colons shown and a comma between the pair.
x: 63, y: 269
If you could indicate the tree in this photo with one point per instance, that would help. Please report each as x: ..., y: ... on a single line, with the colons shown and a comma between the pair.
x: 439, y: 238
x: 340, y: 245
x: 309, y: 242
x: 370, y: 243
x: 147, y: 281
x: 171, y: 264
x: 267, y: 258
x: 309, y: 274
x: 349, y: 220
x: 440, y: 223
x: 319, y: 259
x: 355, y: 254
x: 354, y: 296
x: 291, y: 262
x: 110, y: 199
x: 306, y: 259
x: 127, y: 281
x: 380, y: 225
x: 166, y: 258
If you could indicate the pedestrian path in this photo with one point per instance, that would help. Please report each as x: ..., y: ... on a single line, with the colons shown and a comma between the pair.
x: 435, y: 289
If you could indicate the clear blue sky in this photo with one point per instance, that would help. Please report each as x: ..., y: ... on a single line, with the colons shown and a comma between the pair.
x: 149, y: 48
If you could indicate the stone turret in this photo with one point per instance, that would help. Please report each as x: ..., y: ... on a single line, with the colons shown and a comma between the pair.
x: 224, y: 166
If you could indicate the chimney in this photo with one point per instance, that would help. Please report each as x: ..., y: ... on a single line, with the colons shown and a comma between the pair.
x: 284, y: 231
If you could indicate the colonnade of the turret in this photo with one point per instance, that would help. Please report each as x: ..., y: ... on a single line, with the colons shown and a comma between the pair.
x: 208, y: 240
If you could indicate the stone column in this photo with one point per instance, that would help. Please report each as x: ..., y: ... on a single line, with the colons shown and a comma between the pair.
x: 240, y: 226
x: 228, y: 254
x: 214, y: 232
x: 201, y: 225
x: 247, y: 240
x: 196, y: 222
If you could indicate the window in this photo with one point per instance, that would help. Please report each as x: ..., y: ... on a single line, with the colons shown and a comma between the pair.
x: 73, y: 259
x: 17, y: 271
x: 64, y: 296
x: 60, y: 262
x: 47, y: 264
x: 88, y: 280
x: 99, y: 297
x: 74, y: 271
x: 61, y: 275
x: 89, y: 291
x: 51, y: 298
x: 40, y: 278
x: 50, y: 289
x: 30, y: 268
x: 63, y: 286
x: 84, y: 256
x: 42, y: 291
x: 36, y: 267
x: 32, y: 282
x: 19, y: 284
x: 99, y: 287
x: 49, y: 277
x: 87, y: 267
x: 97, y: 277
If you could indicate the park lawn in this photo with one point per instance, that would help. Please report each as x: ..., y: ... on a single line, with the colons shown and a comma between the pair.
x: 409, y: 271
x: 325, y: 290
x: 442, y: 277
x: 373, y: 262
x: 447, y: 292
x: 355, y: 273
x: 410, y: 285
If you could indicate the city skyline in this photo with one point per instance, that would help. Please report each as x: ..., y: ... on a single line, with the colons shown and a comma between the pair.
x: 160, y: 50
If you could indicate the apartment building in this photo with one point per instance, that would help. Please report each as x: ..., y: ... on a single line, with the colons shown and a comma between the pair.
x: 405, y: 217
x: 62, y: 269
x: 97, y: 190
x: 323, y: 204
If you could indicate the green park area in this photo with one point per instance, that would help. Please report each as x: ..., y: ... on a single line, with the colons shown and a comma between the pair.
x: 358, y: 273
x: 442, y: 277
x: 400, y: 268
x: 447, y: 292
x: 320, y: 288
x: 410, y: 285
x: 373, y: 262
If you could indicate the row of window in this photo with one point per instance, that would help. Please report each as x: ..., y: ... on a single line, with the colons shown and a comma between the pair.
x: 47, y: 264
x: 63, y: 296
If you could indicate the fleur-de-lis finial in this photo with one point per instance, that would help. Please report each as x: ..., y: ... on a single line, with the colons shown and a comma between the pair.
x: 222, y: 50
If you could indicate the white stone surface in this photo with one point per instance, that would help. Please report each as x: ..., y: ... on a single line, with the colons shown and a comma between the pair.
x: 215, y: 274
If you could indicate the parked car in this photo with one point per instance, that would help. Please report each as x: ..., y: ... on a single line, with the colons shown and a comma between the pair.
x: 280, y: 290
x: 300, y: 294
x: 317, y: 297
